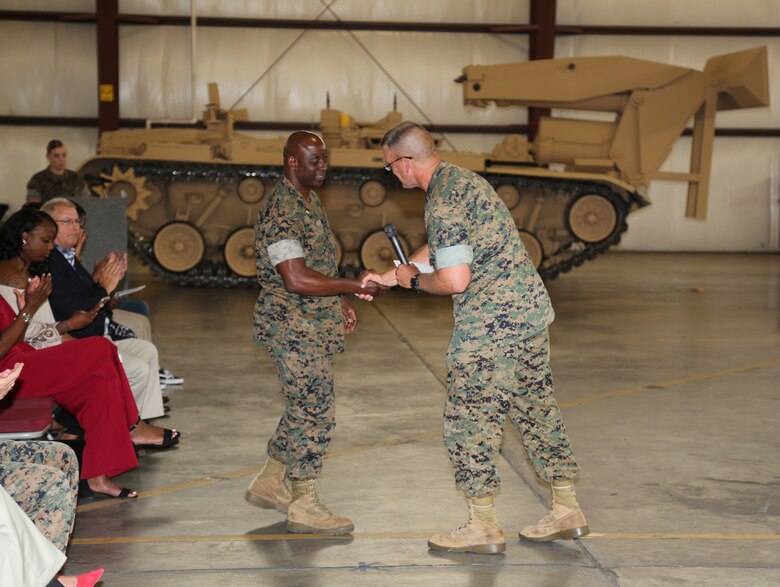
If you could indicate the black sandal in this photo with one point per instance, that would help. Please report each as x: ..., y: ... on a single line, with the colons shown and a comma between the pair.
x: 87, y: 493
x: 170, y: 437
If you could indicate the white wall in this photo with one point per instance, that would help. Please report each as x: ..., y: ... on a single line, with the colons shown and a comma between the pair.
x: 50, y: 70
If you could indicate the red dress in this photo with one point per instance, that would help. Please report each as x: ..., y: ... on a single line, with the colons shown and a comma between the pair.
x: 86, y: 378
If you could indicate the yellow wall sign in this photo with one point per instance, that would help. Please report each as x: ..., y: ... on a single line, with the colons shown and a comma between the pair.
x: 106, y: 92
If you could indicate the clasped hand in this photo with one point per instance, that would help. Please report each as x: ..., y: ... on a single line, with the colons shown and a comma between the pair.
x: 400, y: 275
x: 370, y: 288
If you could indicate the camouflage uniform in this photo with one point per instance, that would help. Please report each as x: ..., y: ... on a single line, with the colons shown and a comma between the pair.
x: 498, y: 357
x: 302, y: 333
x: 42, y: 477
x: 45, y: 185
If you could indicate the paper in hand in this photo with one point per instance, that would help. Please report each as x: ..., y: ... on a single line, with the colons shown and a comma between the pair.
x: 126, y: 292
x: 423, y: 267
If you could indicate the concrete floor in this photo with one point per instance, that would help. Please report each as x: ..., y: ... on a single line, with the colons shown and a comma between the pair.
x: 667, y: 369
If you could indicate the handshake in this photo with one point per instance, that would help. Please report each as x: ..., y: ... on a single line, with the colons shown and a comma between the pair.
x: 373, y: 284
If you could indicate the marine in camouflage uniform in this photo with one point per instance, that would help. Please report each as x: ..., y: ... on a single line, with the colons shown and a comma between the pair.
x: 498, y: 356
x: 56, y: 180
x: 45, y: 185
x: 302, y: 333
x: 27, y: 558
x: 42, y: 477
x: 301, y: 316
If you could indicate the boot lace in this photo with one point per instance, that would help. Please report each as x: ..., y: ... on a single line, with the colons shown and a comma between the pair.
x: 464, y: 528
x: 551, y: 515
x: 317, y: 505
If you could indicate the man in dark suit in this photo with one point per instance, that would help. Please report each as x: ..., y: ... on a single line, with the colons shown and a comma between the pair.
x: 74, y: 288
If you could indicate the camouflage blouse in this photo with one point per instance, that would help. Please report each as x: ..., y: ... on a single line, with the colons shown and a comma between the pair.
x: 288, y: 227
x: 506, y: 301
x: 45, y: 185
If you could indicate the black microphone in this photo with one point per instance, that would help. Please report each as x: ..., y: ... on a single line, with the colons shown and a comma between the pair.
x: 392, y: 234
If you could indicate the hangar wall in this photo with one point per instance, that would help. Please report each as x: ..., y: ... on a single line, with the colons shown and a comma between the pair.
x: 50, y: 70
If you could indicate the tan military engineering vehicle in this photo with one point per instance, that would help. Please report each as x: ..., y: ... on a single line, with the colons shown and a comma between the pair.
x: 193, y: 194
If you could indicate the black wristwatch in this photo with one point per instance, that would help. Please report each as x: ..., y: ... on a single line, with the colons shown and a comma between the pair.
x: 415, y: 283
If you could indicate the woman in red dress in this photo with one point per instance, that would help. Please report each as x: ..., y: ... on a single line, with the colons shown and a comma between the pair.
x: 84, y: 376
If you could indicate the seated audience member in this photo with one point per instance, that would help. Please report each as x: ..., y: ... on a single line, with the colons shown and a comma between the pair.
x: 86, y: 378
x: 126, y: 305
x: 43, y: 478
x: 27, y: 559
x: 38, y: 485
x: 73, y: 288
x: 56, y: 180
x: 126, y: 313
x: 20, y: 259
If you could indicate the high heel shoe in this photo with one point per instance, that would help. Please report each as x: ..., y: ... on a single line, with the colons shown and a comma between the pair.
x: 89, y: 579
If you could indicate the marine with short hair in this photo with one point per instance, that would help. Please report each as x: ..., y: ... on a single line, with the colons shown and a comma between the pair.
x: 301, y: 316
x: 498, y: 356
x: 56, y: 181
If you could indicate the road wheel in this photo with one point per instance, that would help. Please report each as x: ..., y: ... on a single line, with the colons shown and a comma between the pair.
x: 239, y: 251
x: 533, y: 245
x: 251, y: 190
x: 509, y: 194
x: 179, y: 247
x: 372, y: 193
x: 592, y: 218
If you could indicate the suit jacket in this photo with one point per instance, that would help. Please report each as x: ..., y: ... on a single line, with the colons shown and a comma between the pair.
x: 73, y: 289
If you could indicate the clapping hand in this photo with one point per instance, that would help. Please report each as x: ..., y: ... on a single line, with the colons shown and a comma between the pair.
x: 8, y: 377
x: 35, y: 294
x: 110, y: 270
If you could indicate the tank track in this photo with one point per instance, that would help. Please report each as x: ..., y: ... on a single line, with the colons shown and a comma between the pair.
x: 214, y: 274
x: 577, y: 252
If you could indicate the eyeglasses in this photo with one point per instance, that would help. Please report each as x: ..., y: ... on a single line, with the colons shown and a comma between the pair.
x: 389, y: 166
x: 69, y: 221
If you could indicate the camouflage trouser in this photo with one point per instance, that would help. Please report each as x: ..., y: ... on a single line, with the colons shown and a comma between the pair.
x: 42, y: 477
x: 306, y: 427
x: 481, y: 392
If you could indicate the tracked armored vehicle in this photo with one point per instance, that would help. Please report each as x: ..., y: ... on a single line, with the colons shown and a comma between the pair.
x: 193, y: 194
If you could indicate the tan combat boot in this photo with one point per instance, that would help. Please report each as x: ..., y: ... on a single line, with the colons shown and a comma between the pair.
x: 306, y: 515
x: 563, y: 522
x: 268, y: 490
x: 482, y: 534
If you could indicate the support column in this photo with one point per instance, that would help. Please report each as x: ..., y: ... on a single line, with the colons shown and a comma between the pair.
x: 107, y: 12
x: 541, y: 46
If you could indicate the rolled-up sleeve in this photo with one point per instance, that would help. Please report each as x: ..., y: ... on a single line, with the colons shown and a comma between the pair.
x: 284, y: 250
x: 452, y: 256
